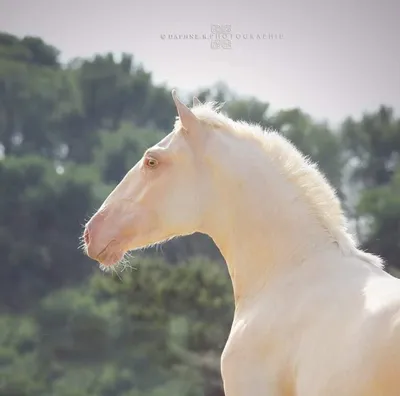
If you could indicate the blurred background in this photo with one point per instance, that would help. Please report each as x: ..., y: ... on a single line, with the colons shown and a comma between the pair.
x: 85, y: 89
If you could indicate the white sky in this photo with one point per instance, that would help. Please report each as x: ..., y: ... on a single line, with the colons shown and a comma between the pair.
x: 335, y: 59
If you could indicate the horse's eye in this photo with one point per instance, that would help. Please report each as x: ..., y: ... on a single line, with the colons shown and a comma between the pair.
x: 151, y: 162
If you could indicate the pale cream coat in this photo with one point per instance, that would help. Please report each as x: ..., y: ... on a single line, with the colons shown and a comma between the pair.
x: 314, y: 315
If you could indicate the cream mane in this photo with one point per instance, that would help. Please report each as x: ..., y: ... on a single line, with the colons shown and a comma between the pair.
x: 312, y: 185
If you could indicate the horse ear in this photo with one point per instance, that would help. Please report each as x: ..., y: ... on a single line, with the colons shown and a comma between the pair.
x: 188, y: 119
x: 196, y: 101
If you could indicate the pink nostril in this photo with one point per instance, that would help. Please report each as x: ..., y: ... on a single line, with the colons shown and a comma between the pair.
x: 86, y: 236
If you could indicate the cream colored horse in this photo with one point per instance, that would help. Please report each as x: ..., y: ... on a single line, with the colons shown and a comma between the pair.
x: 314, y: 316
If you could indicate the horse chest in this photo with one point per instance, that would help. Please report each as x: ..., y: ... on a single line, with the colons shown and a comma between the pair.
x: 252, y: 346
x: 252, y: 363
x: 250, y: 332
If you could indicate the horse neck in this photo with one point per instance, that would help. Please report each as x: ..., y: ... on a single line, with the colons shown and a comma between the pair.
x: 261, y: 227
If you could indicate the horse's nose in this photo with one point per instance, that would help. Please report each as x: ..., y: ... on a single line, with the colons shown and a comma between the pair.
x: 86, y: 236
x: 91, y: 235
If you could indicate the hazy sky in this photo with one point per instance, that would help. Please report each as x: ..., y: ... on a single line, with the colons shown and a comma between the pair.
x: 334, y: 58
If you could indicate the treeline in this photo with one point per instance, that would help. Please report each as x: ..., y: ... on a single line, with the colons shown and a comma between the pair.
x: 68, y: 134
